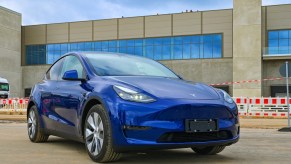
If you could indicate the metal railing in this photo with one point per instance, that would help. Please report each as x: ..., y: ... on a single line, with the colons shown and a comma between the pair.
x: 277, y: 51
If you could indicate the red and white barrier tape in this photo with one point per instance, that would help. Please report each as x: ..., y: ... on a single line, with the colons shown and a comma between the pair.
x: 248, y: 81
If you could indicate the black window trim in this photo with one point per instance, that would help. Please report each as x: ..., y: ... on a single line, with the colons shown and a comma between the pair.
x: 70, y: 54
x: 51, y: 68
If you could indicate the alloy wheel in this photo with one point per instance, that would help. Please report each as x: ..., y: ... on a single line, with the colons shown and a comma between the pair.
x: 31, y: 124
x: 94, y: 133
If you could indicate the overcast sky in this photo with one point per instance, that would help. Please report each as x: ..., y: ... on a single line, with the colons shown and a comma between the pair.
x: 55, y: 11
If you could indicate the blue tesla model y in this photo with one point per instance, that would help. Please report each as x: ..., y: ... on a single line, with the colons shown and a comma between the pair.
x: 116, y: 103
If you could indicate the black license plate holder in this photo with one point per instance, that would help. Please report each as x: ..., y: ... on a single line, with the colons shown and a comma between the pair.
x: 195, y: 125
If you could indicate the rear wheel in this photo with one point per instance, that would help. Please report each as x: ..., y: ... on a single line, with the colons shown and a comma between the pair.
x: 98, y: 136
x: 33, y: 126
x: 211, y: 150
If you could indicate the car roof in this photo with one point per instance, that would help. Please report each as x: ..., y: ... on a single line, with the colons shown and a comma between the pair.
x: 3, y: 80
x: 82, y: 53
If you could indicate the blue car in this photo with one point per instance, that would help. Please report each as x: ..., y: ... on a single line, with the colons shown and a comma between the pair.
x: 115, y: 103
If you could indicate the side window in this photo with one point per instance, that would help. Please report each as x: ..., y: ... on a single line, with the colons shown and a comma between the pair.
x: 73, y: 63
x: 54, y: 72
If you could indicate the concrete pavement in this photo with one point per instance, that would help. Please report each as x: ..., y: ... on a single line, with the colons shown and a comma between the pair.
x: 255, y: 146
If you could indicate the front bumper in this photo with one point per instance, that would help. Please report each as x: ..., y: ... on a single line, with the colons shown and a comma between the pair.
x: 162, y: 124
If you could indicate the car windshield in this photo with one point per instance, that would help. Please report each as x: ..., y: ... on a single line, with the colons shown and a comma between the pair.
x: 4, y: 87
x: 127, y: 65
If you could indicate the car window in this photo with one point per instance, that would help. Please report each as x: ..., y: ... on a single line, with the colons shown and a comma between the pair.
x: 127, y: 65
x: 73, y: 63
x: 54, y: 72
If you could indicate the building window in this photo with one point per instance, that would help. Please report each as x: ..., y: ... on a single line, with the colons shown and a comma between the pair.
x: 55, y: 51
x: 223, y: 87
x: 163, y: 48
x: 27, y: 92
x: 279, y: 91
x: 279, y: 42
x: 36, y: 54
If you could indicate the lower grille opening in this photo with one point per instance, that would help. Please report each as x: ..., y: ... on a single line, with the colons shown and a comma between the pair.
x: 194, y: 137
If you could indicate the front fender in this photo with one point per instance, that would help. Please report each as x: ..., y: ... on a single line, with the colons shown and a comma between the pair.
x: 108, y: 105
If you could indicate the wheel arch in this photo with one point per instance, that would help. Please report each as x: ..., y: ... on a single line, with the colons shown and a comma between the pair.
x: 88, y: 105
x: 30, y: 104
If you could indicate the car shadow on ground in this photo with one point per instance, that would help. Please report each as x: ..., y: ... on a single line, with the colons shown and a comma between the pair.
x: 66, y: 144
x: 161, y: 156
x: 172, y: 156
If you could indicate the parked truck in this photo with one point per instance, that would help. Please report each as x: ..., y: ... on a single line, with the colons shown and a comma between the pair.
x: 4, y: 88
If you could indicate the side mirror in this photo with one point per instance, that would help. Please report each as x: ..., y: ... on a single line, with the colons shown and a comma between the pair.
x: 72, y: 75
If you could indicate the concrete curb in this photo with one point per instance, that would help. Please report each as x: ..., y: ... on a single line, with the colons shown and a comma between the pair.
x: 12, y: 117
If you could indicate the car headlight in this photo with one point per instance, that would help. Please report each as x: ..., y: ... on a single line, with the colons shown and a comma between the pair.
x: 227, y: 97
x: 131, y: 95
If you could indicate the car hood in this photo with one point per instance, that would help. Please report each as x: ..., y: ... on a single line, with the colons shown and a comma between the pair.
x: 169, y: 88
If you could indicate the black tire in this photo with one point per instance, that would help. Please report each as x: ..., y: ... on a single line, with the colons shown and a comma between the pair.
x: 38, y: 135
x: 106, y: 152
x: 211, y: 150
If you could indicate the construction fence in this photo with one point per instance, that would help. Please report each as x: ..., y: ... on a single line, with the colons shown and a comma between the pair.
x: 271, y: 107
x: 274, y: 107
x: 13, y: 106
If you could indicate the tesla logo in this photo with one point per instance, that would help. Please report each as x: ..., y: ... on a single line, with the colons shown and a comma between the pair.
x: 193, y: 95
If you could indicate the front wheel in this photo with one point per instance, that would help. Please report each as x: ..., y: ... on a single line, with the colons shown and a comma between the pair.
x: 211, y: 150
x: 33, y: 126
x: 98, y: 136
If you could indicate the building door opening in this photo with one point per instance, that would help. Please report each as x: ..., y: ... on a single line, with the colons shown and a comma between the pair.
x: 279, y: 91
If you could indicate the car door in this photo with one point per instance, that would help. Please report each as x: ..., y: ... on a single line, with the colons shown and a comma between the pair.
x: 47, y: 88
x: 69, y: 96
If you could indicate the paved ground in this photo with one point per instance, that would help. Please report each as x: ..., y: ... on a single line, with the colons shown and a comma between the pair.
x: 263, y: 123
x: 255, y: 146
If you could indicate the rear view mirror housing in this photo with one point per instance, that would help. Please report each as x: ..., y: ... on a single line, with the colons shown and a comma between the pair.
x: 72, y: 75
